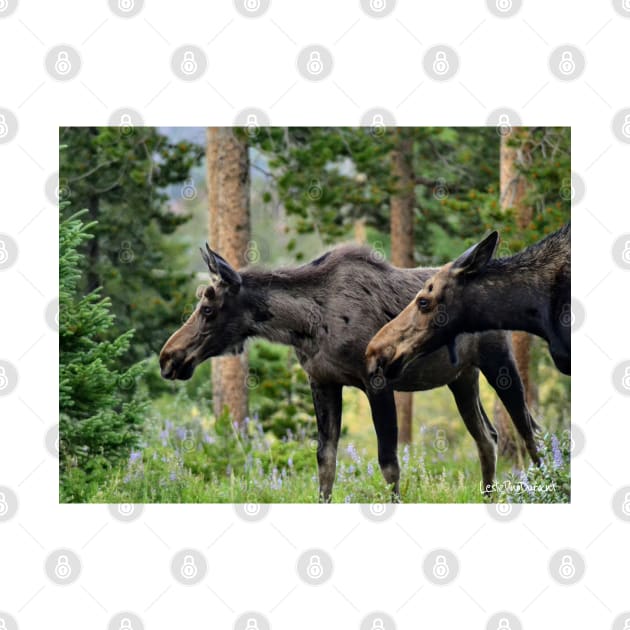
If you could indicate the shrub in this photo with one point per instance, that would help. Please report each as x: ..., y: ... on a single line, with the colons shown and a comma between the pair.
x: 99, y: 413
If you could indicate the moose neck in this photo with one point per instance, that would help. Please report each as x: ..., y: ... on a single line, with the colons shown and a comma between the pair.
x: 281, y: 308
x: 507, y: 298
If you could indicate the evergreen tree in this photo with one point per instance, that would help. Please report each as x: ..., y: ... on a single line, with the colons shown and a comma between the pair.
x: 122, y: 175
x: 100, y: 414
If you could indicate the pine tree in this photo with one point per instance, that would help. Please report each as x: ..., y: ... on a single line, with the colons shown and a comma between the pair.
x: 100, y: 414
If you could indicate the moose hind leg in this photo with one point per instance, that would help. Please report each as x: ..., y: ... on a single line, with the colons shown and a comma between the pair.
x: 327, y: 403
x: 466, y: 392
x: 383, y: 410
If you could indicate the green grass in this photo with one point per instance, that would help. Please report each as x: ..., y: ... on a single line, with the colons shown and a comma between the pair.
x: 198, y: 459
x: 189, y: 456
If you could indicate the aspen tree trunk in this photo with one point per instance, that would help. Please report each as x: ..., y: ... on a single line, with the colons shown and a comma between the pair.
x: 229, y: 232
x: 401, y: 229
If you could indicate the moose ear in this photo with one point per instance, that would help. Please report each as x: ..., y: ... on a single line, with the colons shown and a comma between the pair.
x: 477, y: 257
x: 228, y: 274
x: 210, y: 259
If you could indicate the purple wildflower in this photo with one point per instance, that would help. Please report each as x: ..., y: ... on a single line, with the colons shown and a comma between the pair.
x: 557, y: 455
x: 173, y: 476
x: 135, y: 456
x: 370, y: 469
x: 181, y: 433
x: 352, y: 451
x: 406, y: 454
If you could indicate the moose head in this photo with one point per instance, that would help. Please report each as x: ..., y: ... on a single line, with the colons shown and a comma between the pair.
x: 434, y: 317
x: 216, y: 326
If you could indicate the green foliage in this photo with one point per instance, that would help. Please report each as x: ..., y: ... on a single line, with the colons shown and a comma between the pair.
x: 99, y: 414
x: 279, y: 392
x: 328, y: 177
x: 550, y: 482
x: 121, y: 175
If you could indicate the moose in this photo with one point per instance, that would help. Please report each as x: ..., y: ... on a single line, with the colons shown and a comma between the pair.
x: 529, y: 291
x: 328, y: 310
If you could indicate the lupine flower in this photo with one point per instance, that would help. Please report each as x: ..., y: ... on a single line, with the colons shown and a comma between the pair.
x: 181, y: 433
x: 135, y: 456
x: 406, y: 454
x: 370, y: 469
x: 557, y: 455
x: 352, y: 451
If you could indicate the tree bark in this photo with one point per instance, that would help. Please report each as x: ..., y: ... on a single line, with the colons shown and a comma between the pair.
x: 513, y: 192
x: 229, y: 232
x: 402, y: 241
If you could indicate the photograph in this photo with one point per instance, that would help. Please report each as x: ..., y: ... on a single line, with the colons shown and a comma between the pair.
x: 375, y: 314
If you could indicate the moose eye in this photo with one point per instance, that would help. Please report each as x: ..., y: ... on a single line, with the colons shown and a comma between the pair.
x: 208, y: 311
x: 423, y: 304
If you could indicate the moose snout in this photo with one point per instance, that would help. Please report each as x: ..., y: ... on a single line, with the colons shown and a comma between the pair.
x: 170, y: 361
x: 378, y: 357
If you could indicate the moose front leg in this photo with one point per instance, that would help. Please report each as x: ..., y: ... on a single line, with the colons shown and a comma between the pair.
x: 327, y: 402
x: 384, y: 417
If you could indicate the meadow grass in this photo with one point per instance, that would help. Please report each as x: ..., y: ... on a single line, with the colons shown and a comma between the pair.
x: 188, y: 456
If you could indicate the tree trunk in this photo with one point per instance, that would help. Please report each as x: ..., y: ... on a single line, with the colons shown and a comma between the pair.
x: 513, y: 193
x: 402, y: 241
x: 229, y: 231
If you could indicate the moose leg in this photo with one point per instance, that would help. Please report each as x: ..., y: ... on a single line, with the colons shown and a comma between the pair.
x: 503, y: 376
x: 466, y: 392
x: 384, y: 417
x: 327, y: 402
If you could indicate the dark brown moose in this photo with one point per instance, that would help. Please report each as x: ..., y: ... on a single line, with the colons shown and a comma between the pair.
x: 328, y: 310
x: 529, y: 291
